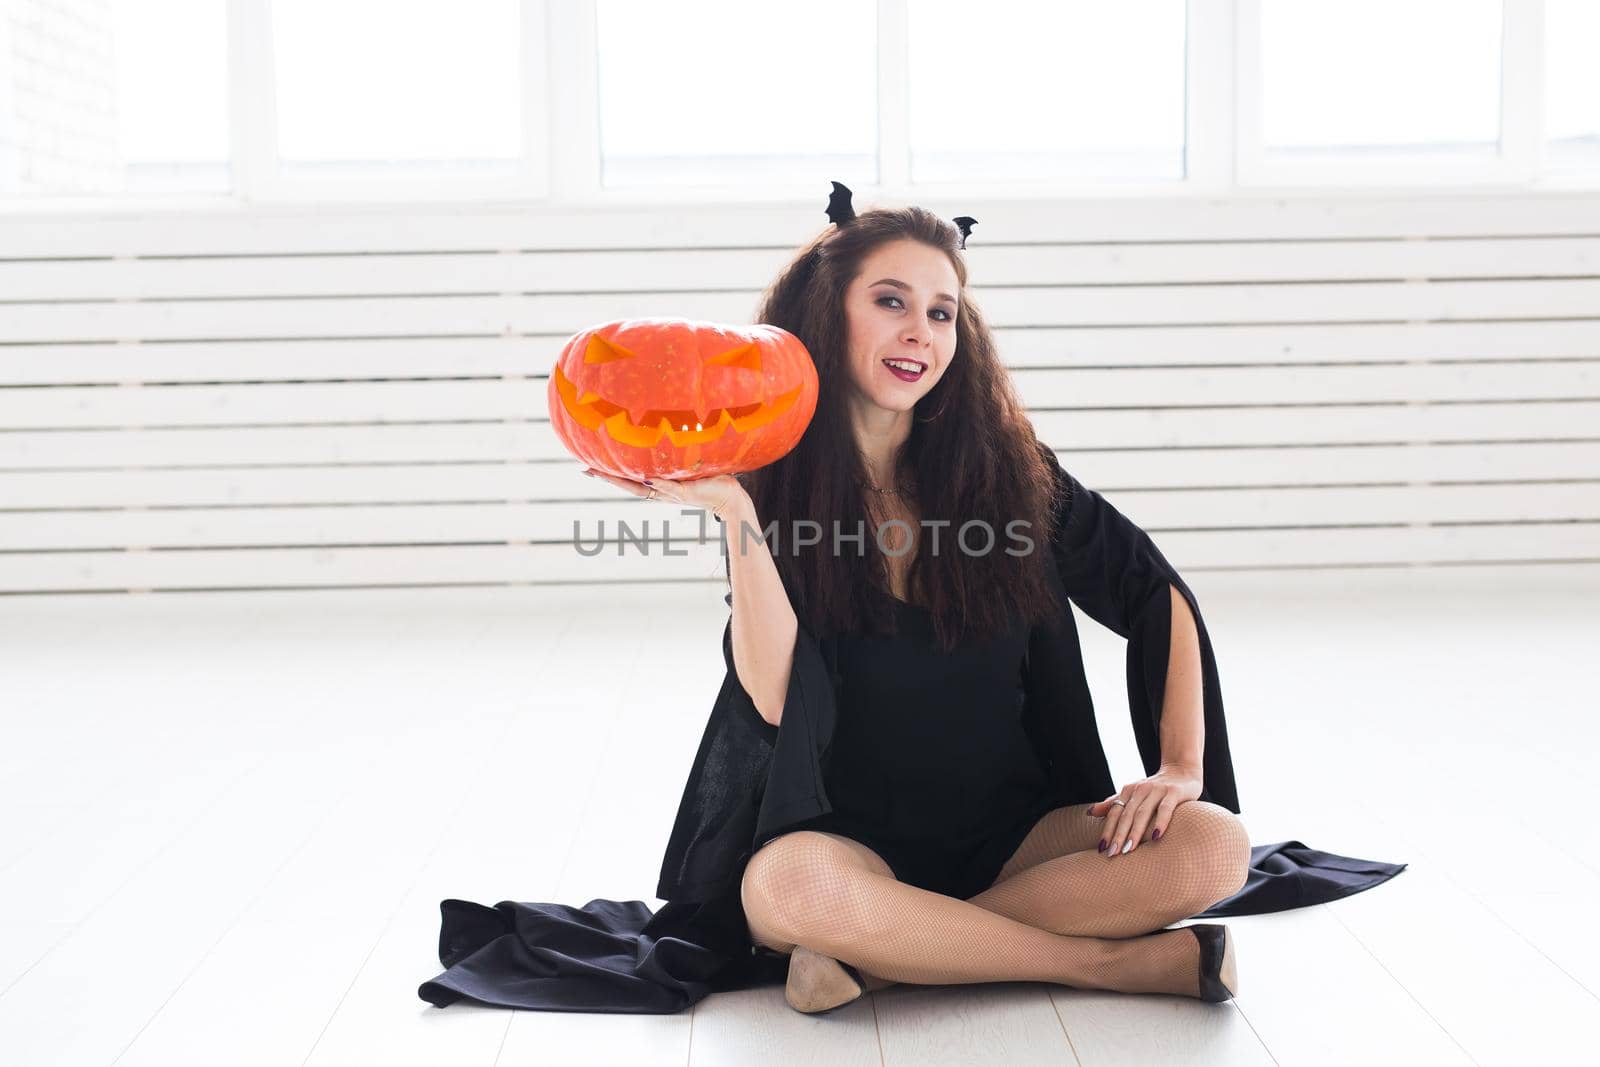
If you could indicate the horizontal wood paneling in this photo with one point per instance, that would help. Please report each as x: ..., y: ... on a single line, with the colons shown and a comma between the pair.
x: 1004, y: 306
x: 309, y: 398
x: 200, y: 569
x: 492, y: 438
x: 343, y: 229
x: 572, y: 522
x: 742, y: 270
x: 1063, y: 389
x: 1083, y: 348
x: 495, y: 481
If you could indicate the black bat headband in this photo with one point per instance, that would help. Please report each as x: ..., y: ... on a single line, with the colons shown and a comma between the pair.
x: 840, y: 212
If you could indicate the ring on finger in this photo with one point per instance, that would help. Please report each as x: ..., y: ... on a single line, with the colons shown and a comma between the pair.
x: 1115, y: 849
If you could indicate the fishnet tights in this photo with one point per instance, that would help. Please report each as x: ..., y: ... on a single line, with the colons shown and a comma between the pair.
x: 1059, y: 911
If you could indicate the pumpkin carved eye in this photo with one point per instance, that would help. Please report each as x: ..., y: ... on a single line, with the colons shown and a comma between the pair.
x: 602, y: 351
x: 746, y: 356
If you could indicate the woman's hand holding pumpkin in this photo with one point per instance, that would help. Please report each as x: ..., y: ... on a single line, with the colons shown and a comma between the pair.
x: 718, y: 494
x: 1146, y: 804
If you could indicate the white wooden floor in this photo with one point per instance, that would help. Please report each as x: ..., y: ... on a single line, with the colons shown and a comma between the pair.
x: 229, y: 820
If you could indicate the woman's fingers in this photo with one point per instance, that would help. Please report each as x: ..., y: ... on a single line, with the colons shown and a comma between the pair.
x: 1144, y: 807
x: 709, y: 493
x: 1141, y: 821
x: 1151, y: 811
x: 1114, y: 817
x: 667, y: 489
x: 712, y: 494
x: 655, y: 489
x: 1106, y: 810
x: 1158, y: 825
x: 636, y: 488
x: 1120, y: 818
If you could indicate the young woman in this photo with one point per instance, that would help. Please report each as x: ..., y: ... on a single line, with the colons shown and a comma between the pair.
x: 944, y: 852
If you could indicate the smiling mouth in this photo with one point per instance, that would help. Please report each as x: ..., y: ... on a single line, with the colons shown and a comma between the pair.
x: 682, y: 425
x: 904, y: 374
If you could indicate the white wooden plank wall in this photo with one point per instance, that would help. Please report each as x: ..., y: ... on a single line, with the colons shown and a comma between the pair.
x: 320, y: 398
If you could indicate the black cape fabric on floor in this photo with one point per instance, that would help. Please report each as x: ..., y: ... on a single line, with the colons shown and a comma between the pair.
x: 751, y: 781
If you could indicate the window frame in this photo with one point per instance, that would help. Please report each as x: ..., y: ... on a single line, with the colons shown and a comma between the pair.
x: 560, y: 164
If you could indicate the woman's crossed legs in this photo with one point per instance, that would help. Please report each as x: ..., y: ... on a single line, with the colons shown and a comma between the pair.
x: 1059, y: 911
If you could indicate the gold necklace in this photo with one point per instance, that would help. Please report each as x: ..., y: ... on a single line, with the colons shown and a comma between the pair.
x: 875, y: 489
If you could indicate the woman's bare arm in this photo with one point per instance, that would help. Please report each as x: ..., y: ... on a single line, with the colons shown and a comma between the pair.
x: 1183, y: 724
x: 764, y: 623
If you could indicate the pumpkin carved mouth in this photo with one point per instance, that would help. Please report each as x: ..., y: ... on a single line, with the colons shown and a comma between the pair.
x: 681, y: 425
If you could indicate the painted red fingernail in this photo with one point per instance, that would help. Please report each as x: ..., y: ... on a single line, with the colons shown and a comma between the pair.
x: 1156, y: 836
x: 1102, y: 844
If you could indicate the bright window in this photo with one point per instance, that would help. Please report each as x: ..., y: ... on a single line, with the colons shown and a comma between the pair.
x: 1016, y: 92
x: 370, y: 89
x: 129, y: 97
x: 1380, y: 78
x: 1572, y: 83
x: 720, y: 93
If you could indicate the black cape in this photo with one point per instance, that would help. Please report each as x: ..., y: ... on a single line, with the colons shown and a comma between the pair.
x: 751, y: 781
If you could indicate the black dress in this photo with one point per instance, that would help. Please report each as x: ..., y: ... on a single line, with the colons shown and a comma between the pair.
x: 930, y: 766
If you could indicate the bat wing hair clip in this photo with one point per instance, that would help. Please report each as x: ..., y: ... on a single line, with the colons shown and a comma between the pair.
x: 841, y: 213
x: 965, y: 223
x: 839, y: 210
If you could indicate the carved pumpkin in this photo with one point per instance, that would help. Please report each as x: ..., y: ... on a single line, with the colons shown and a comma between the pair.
x: 681, y: 399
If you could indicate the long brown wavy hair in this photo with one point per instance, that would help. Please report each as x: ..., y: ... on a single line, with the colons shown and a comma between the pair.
x: 972, y: 455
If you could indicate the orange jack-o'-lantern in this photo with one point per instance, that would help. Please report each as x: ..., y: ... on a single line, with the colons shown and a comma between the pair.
x: 681, y: 399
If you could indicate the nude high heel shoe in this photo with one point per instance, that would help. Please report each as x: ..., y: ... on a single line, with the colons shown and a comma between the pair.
x: 1219, y: 973
x: 819, y: 983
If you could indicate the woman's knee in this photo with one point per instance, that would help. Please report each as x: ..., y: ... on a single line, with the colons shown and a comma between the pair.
x: 1220, y: 837
x: 801, y: 880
